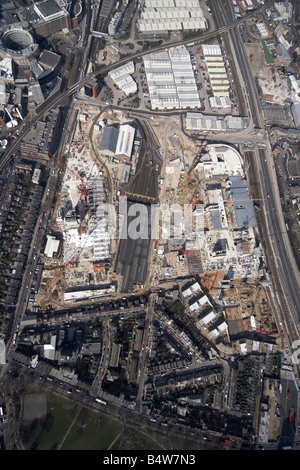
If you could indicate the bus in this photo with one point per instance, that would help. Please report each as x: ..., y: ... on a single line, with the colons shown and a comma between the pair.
x: 100, y: 401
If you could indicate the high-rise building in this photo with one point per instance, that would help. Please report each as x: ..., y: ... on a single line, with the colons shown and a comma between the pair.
x: 92, y: 88
x: 52, y: 17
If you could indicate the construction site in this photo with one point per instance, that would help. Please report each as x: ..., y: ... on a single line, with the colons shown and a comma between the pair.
x: 163, y: 165
x: 80, y: 270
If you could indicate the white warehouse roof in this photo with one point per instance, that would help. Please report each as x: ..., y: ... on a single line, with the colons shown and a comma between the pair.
x: 122, y: 70
x: 199, y: 121
x: 171, y: 80
x: 122, y: 78
x: 216, y: 69
x: 161, y: 15
x: 125, y: 140
x: 207, y: 318
x: 52, y: 246
x: 220, y: 102
x: 171, y: 3
x: 186, y: 292
x: 211, y: 49
x: 154, y: 13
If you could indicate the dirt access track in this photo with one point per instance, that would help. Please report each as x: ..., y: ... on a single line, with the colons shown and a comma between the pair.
x: 269, y: 80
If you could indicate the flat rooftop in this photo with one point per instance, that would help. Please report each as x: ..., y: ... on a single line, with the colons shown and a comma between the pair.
x: 48, y: 8
x: 132, y: 261
x: 28, y: 14
x: 49, y: 58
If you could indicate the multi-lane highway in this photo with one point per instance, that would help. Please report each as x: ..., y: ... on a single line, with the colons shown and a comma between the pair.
x: 53, y: 102
x: 287, y: 268
x: 289, y: 274
x: 285, y: 264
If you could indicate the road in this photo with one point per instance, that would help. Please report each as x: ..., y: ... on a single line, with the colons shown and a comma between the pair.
x: 287, y: 269
x: 142, y: 374
x: 289, y: 274
x: 53, y: 102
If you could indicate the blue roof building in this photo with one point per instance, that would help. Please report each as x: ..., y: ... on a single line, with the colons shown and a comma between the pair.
x: 242, y: 203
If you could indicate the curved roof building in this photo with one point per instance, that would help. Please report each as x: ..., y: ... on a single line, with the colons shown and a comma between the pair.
x: 18, y: 44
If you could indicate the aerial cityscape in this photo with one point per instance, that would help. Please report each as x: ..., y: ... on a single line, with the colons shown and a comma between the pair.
x: 149, y: 226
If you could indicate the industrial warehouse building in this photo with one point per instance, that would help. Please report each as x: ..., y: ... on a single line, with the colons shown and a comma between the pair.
x: 118, y: 142
x: 161, y: 16
x: 125, y: 143
x: 123, y: 79
x: 216, y: 69
x: 52, y: 246
x: 171, y: 80
x: 109, y: 141
x: 204, y: 122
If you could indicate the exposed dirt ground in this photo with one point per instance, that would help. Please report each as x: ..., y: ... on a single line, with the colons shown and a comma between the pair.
x: 267, y: 76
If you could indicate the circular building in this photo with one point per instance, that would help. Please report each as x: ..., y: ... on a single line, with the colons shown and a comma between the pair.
x: 18, y: 44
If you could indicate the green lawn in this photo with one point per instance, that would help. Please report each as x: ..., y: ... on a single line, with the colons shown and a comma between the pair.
x: 267, y: 53
x: 92, y: 431
x: 68, y: 426
x: 47, y: 433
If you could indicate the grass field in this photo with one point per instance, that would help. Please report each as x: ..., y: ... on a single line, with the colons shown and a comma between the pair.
x: 47, y: 433
x: 70, y: 426
x: 267, y: 53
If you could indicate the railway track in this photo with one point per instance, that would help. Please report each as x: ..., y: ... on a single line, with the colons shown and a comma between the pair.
x: 51, y: 103
x: 101, y: 25
x: 144, y: 186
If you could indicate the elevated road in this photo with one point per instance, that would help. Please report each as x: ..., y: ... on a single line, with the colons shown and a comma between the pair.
x: 53, y: 102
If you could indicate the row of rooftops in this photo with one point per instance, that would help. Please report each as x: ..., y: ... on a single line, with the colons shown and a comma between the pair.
x: 171, y: 79
x: 199, y: 121
x: 42, y: 11
x: 171, y: 15
x: 200, y: 304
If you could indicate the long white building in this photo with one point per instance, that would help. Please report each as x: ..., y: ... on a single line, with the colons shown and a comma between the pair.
x: 123, y: 79
x: 216, y: 69
x: 125, y: 142
x: 171, y: 15
x: 171, y: 80
x: 205, y: 122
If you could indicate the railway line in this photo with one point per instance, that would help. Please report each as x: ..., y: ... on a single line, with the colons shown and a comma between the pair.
x: 101, y: 26
x: 53, y: 102
x: 284, y: 271
x: 143, y: 187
